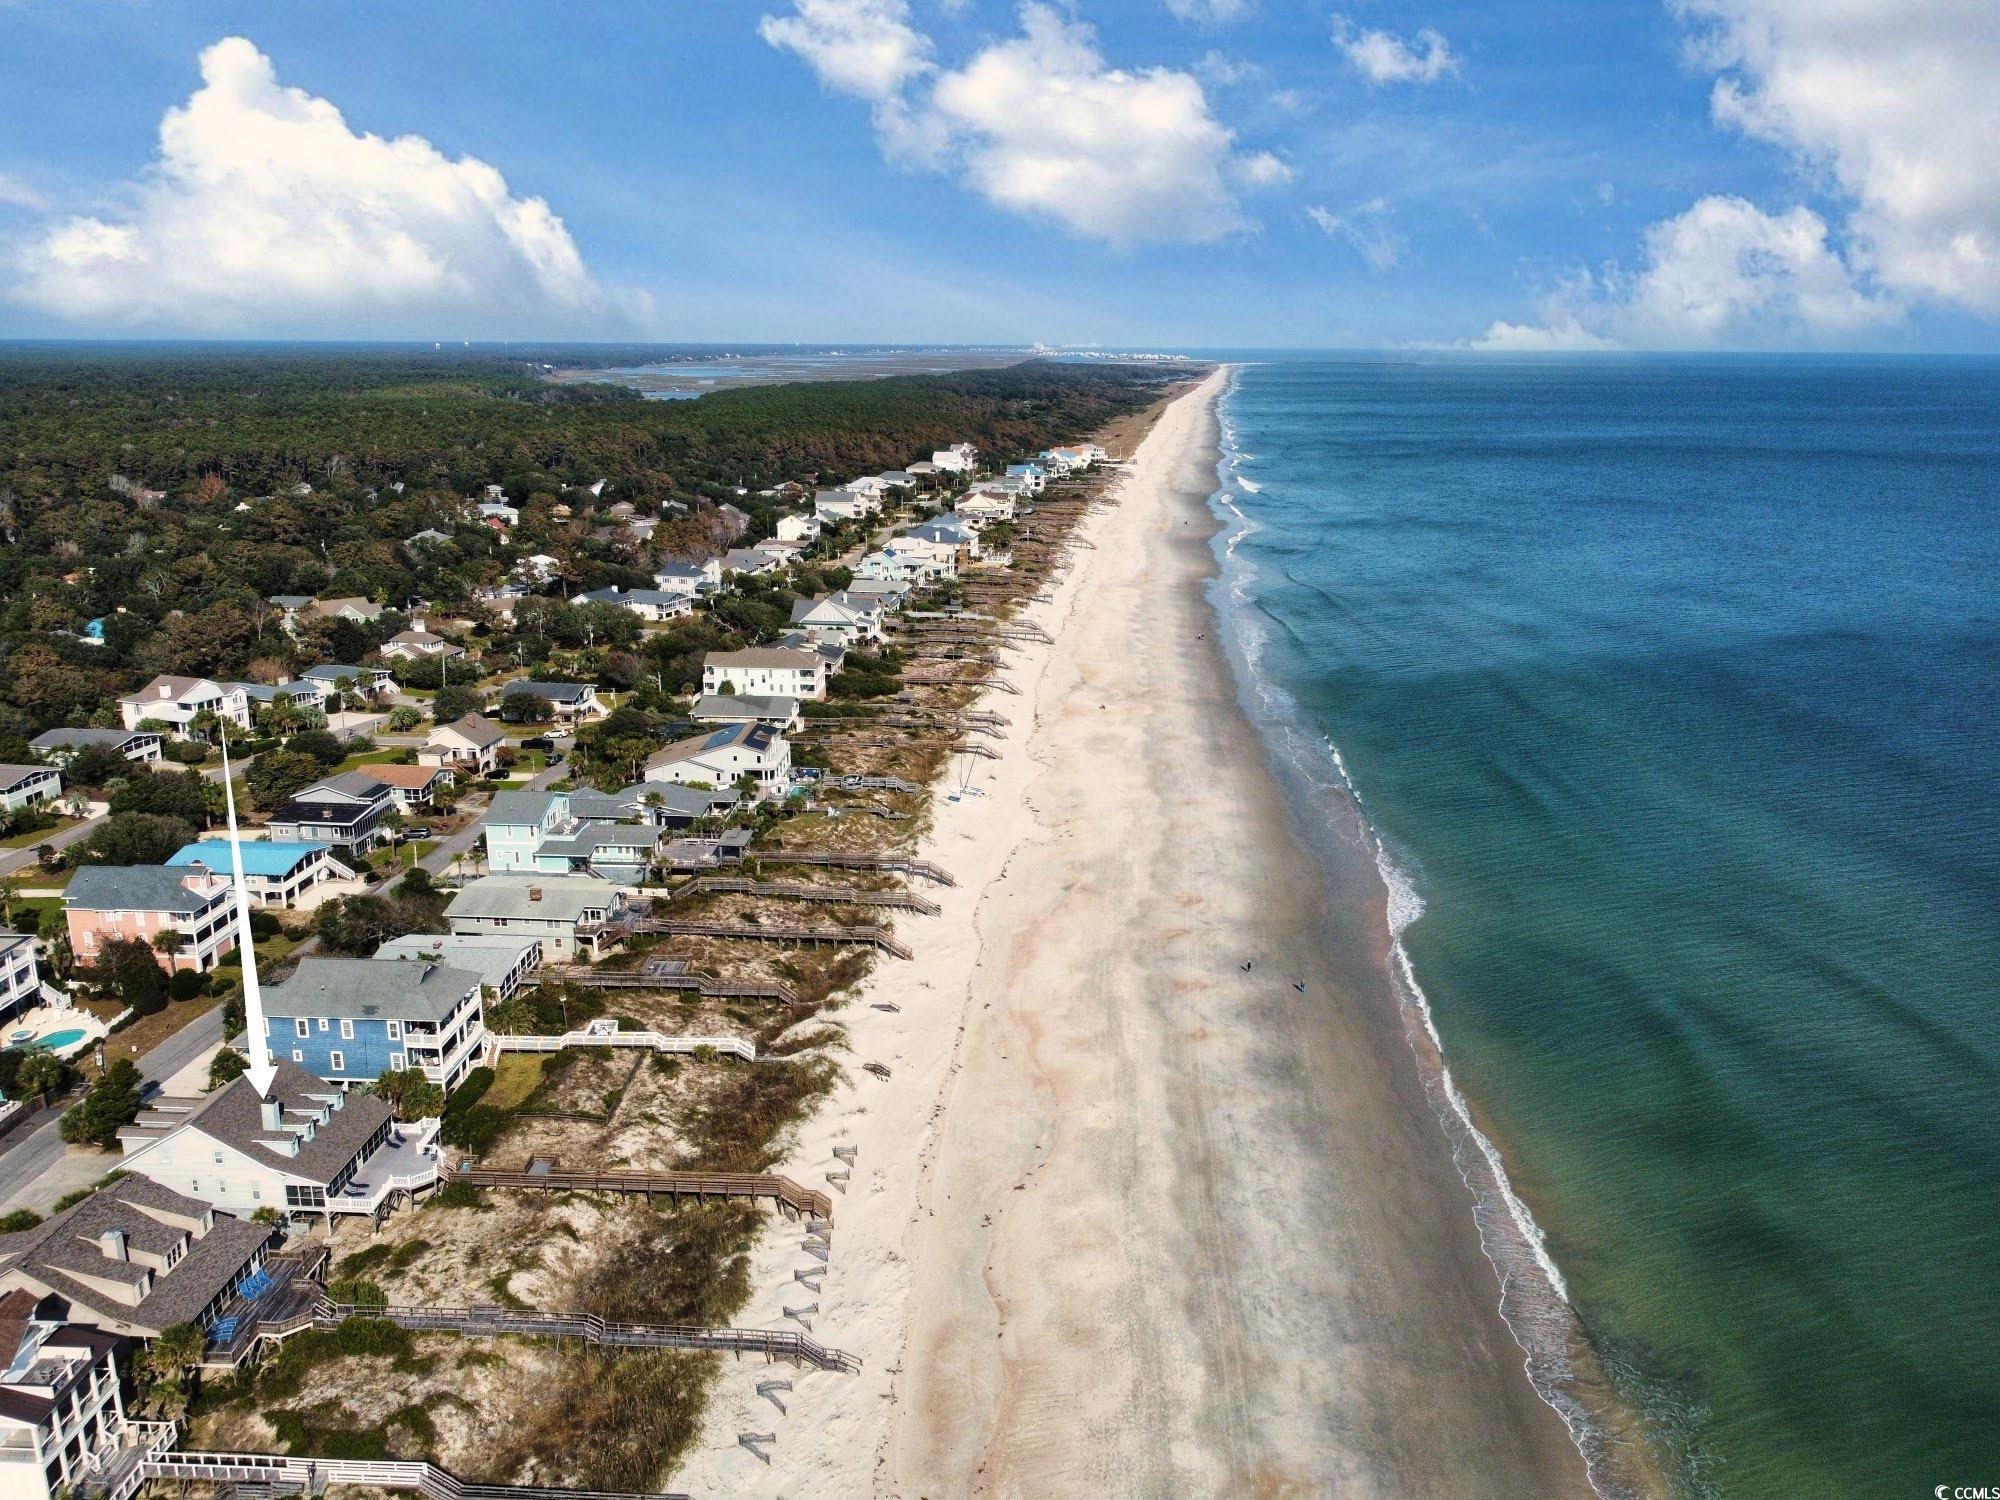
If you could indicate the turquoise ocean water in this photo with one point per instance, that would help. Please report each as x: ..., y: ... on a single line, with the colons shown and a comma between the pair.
x: 1671, y: 689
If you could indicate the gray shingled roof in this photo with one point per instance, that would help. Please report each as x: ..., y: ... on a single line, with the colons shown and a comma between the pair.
x: 234, y: 1115
x: 366, y: 988
x: 563, y: 898
x: 133, y: 888
x: 78, y: 739
x: 69, y: 1246
x: 513, y: 808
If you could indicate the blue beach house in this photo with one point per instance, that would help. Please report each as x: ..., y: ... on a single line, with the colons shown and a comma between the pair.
x: 349, y: 1019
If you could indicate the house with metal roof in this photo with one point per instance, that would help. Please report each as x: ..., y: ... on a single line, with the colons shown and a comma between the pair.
x: 135, y: 1258
x: 275, y: 872
x: 369, y: 682
x: 502, y: 963
x: 350, y: 1019
x: 746, y: 708
x: 656, y: 605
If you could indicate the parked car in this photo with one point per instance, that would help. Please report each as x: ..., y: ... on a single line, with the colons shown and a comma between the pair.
x: 417, y: 831
x: 538, y: 742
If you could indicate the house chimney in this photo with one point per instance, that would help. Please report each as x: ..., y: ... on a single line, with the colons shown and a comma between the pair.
x: 166, y: 691
x: 534, y: 893
x: 274, y: 1115
x: 112, y: 1243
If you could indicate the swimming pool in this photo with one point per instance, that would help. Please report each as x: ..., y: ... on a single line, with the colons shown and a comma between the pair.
x: 55, y: 1041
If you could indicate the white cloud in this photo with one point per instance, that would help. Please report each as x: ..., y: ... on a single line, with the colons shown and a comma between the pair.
x: 862, y: 47
x: 16, y: 193
x: 1262, y: 169
x: 1039, y: 124
x: 1381, y: 57
x: 1366, y: 229
x: 264, y: 211
x: 1725, y: 274
x: 1210, y: 12
x: 1563, y: 334
x: 1224, y: 71
x: 1896, y: 103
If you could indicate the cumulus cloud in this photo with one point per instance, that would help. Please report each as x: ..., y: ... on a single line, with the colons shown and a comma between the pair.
x: 1039, y: 123
x: 1723, y: 274
x: 264, y: 211
x: 1210, y: 12
x: 1895, y: 103
x: 1366, y: 229
x: 863, y: 47
x: 1382, y: 57
x: 15, y: 193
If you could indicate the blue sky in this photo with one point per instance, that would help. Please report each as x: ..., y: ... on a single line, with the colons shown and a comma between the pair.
x: 1553, y: 173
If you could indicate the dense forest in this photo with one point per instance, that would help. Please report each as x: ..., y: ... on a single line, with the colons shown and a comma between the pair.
x: 167, y: 493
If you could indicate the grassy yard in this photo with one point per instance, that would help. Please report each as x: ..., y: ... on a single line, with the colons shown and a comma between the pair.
x: 515, y: 1076
x: 39, y: 836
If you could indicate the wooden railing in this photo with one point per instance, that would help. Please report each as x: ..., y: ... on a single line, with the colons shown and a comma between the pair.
x: 777, y: 854
x: 832, y: 895
x: 758, y: 932
x: 289, y: 1469
x: 654, y: 1184
x: 656, y: 1041
x: 485, y: 1322
x: 648, y: 979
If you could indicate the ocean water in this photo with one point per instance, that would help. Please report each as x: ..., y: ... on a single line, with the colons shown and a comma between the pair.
x: 1671, y: 691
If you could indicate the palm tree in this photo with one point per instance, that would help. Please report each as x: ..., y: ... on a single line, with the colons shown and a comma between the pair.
x: 167, y: 941
x: 39, y: 1073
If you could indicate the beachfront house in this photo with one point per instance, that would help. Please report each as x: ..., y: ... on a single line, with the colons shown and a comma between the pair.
x: 469, y: 745
x: 1033, y: 477
x: 349, y: 1019
x: 786, y: 674
x: 502, y: 964
x: 135, y: 1258
x: 28, y: 786
x: 61, y: 746
x: 346, y: 811
x: 104, y: 903
x: 61, y: 1414
x: 275, y: 873
x: 574, y: 917
x: 746, y: 708
x: 308, y: 1148
x: 724, y: 757
x: 571, y: 702
x: 175, y: 703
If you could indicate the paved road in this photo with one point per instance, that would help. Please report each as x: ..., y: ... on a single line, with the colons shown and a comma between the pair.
x: 36, y: 1167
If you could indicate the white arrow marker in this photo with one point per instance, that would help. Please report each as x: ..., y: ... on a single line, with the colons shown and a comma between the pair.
x: 261, y: 1070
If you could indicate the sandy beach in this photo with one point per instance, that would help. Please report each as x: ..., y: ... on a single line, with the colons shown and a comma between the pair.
x: 1152, y: 1202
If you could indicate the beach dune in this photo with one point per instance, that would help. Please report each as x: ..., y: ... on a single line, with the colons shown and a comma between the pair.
x: 1154, y: 1204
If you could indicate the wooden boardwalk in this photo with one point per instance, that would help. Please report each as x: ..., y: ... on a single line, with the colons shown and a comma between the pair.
x: 787, y: 890
x: 548, y: 1177
x: 655, y: 979
x: 778, y: 854
x: 479, y: 1321
x: 759, y: 932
